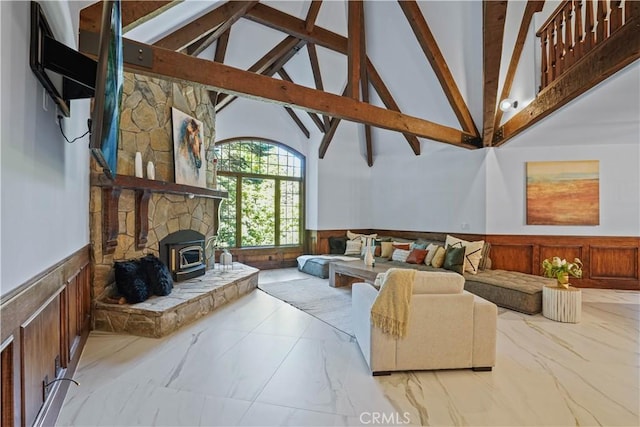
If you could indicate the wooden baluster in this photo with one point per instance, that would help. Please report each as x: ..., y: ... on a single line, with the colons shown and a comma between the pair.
x: 601, y: 28
x: 579, y: 33
x: 589, y: 27
x: 559, y: 45
x: 615, y: 17
x: 551, y: 65
x: 568, y: 36
x: 545, y: 64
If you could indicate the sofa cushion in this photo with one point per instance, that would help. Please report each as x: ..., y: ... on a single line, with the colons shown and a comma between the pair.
x: 354, y: 247
x: 437, y: 282
x: 454, y: 259
x: 473, y: 252
x: 438, y: 258
x: 387, y: 249
x: 337, y: 245
x: 400, y: 255
x: 417, y: 256
x: 431, y: 251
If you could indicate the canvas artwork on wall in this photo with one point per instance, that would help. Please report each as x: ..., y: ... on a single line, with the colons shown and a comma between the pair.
x: 563, y: 193
x: 188, y: 149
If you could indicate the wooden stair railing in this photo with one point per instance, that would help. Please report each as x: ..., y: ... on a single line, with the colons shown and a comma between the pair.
x: 576, y: 27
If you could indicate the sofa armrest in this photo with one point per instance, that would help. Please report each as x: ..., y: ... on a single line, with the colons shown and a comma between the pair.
x: 485, y: 319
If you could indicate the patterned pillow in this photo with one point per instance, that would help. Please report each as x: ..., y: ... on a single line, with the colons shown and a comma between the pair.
x: 354, y: 247
x: 400, y: 255
x: 473, y: 252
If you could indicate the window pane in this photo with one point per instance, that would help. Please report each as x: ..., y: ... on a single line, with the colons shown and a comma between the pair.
x: 289, y: 212
x: 227, y: 212
x: 258, y: 212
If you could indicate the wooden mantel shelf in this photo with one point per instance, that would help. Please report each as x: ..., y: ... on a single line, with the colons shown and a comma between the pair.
x: 111, y: 190
x: 154, y: 186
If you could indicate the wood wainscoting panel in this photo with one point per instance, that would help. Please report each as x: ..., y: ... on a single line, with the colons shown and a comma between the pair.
x: 613, y: 262
x: 40, y: 347
x: 45, y: 319
x: 513, y: 257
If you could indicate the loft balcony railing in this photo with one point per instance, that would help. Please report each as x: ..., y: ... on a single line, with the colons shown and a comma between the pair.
x: 575, y: 28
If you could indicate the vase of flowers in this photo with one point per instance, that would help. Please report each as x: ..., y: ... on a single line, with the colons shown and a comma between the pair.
x: 560, y: 269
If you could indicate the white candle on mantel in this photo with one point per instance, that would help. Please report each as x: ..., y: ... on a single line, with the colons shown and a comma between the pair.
x: 151, y: 170
x: 138, y: 164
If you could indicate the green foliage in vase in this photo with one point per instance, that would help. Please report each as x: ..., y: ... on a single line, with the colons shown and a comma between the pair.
x: 557, y: 267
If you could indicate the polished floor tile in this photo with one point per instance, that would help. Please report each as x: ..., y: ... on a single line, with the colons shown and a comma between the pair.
x: 260, y: 361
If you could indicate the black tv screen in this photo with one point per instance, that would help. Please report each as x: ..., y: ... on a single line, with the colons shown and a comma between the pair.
x: 109, y: 81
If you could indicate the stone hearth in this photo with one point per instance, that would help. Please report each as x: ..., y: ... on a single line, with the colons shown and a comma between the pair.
x: 189, y: 300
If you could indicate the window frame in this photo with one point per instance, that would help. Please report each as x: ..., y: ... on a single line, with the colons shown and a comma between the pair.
x: 239, y: 176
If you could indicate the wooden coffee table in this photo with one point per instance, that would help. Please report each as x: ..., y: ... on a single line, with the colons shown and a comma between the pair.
x: 344, y: 273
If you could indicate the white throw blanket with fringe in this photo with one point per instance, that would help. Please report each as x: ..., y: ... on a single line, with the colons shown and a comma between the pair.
x: 390, y: 310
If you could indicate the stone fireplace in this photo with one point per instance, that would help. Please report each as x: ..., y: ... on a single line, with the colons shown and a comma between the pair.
x: 131, y: 217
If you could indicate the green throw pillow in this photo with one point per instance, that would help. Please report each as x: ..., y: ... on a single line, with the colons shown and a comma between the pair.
x: 454, y: 259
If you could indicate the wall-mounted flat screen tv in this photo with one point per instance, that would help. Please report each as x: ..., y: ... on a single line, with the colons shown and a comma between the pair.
x: 109, y: 81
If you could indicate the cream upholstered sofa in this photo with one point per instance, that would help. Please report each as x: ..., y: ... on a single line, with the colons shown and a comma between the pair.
x: 448, y: 327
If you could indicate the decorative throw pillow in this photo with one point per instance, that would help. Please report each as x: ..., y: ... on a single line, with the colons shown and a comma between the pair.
x: 454, y: 259
x: 438, y: 257
x: 158, y: 275
x: 354, y: 236
x: 131, y: 281
x: 473, y: 252
x: 419, y: 245
x: 485, y: 261
x: 401, y: 245
x: 417, y: 256
x: 431, y: 251
x: 400, y: 255
x: 337, y: 245
x: 353, y: 247
x: 386, y: 249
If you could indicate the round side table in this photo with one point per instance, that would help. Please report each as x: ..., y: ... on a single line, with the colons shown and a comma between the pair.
x: 562, y: 304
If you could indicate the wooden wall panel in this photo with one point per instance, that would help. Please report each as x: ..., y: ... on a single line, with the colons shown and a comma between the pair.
x: 512, y: 257
x: 611, y: 262
x: 43, y: 319
x: 40, y: 346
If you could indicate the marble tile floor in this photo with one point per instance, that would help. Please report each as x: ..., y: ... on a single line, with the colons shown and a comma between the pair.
x: 259, y: 361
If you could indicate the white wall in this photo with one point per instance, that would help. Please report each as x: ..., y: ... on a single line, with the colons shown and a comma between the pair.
x: 601, y: 125
x: 44, y: 180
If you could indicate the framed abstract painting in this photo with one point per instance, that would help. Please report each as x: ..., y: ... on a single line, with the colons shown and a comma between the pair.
x: 188, y: 149
x: 563, y: 193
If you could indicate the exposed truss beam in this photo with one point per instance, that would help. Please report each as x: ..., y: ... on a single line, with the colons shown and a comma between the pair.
x: 354, y: 25
x: 281, y: 21
x: 317, y: 76
x: 262, y: 65
x: 207, y: 41
x: 314, y: 117
x: 532, y: 7
x: 606, y: 58
x: 297, y: 120
x: 326, y: 139
x: 493, y: 20
x: 312, y: 14
x: 134, y: 13
x: 364, y: 82
x: 201, y: 27
x: 433, y: 54
x: 221, y: 52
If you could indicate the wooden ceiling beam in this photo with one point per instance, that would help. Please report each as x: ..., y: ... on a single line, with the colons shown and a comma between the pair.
x: 297, y: 121
x: 532, y: 7
x: 201, y: 27
x: 218, y: 56
x: 355, y: 23
x: 493, y: 20
x: 312, y: 14
x: 432, y: 52
x: 606, y: 58
x: 281, y: 21
x: 133, y: 13
x: 207, y: 41
x: 326, y: 139
x: 262, y: 65
x: 317, y: 76
x: 364, y: 82
x: 314, y: 117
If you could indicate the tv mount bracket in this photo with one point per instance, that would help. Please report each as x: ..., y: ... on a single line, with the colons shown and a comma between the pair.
x: 133, y: 52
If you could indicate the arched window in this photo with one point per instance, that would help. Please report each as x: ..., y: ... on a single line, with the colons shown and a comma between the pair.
x: 266, y: 198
